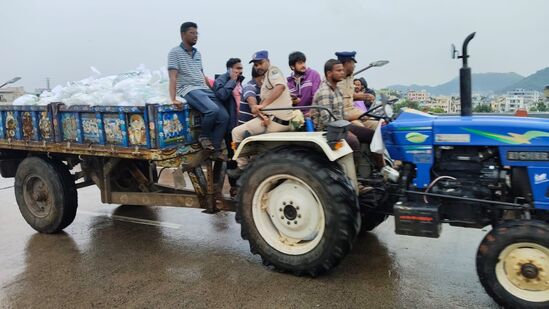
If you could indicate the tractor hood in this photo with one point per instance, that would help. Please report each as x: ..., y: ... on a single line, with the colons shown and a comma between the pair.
x: 491, y: 131
x: 417, y: 128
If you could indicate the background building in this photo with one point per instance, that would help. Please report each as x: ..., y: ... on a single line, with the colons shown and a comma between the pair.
x: 512, y: 103
x: 520, y: 98
x: 9, y: 94
x: 418, y: 96
x: 498, y: 104
x: 440, y: 102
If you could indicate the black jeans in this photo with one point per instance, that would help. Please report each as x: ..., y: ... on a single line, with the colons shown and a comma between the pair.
x: 214, y: 116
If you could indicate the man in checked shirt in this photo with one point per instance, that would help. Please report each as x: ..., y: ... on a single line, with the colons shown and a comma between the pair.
x: 331, y: 97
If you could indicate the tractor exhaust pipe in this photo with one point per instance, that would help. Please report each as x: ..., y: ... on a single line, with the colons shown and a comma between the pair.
x: 465, y: 90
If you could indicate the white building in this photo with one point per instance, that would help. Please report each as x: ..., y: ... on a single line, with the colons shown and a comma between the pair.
x: 9, y: 94
x: 476, y: 99
x: 418, y: 96
x: 455, y: 105
x: 498, y: 104
x: 520, y: 98
x: 512, y: 103
x: 441, y: 102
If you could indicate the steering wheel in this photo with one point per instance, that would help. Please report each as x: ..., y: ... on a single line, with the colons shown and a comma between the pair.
x: 384, y: 105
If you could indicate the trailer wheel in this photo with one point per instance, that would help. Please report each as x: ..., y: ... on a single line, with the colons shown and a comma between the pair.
x: 298, y: 211
x: 46, y: 194
x: 513, y: 264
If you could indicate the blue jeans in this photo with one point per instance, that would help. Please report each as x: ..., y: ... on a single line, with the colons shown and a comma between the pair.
x: 215, y: 118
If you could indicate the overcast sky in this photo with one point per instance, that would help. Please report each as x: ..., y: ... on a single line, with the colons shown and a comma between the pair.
x: 61, y: 39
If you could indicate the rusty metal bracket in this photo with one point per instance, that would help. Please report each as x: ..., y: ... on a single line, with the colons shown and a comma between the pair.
x: 203, y: 187
x: 142, y: 181
x: 106, y: 193
x: 210, y: 193
x: 219, y: 172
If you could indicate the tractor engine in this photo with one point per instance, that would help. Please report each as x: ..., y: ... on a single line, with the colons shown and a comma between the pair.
x: 468, y: 173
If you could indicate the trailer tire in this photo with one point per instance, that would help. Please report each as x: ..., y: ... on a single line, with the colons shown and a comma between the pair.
x: 513, y: 264
x: 309, y: 240
x: 46, y: 194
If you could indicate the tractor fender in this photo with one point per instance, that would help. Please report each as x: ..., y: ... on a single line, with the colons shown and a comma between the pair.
x: 272, y: 140
x: 260, y: 143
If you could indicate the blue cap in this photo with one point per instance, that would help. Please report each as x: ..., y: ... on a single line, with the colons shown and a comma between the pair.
x: 345, y: 55
x: 260, y: 55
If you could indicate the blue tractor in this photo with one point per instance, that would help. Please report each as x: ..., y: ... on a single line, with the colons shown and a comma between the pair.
x: 300, y: 208
x: 475, y: 171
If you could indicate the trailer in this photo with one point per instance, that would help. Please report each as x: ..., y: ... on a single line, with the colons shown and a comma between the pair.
x: 117, y: 148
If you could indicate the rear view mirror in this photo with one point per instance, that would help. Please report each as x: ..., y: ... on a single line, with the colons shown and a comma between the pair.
x: 453, y: 51
x: 389, y: 112
x: 13, y: 80
x: 379, y: 63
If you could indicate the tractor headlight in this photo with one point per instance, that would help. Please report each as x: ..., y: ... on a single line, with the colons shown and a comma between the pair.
x: 337, y: 130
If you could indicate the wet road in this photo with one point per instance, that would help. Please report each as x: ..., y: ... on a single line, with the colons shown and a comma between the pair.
x: 123, y: 256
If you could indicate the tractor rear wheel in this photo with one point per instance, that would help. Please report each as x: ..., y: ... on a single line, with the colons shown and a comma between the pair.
x: 298, y: 211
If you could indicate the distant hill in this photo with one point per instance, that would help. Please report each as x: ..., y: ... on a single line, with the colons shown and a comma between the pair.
x: 484, y: 83
x: 536, y: 81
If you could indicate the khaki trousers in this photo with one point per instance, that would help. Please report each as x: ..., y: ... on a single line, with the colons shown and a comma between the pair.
x: 254, y: 127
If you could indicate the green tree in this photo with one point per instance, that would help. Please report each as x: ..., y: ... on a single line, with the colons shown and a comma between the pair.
x: 407, y: 103
x: 541, y: 107
x: 482, y: 108
x: 437, y: 110
x: 389, y: 92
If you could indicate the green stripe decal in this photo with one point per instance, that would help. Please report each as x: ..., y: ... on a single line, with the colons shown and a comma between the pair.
x: 510, y: 138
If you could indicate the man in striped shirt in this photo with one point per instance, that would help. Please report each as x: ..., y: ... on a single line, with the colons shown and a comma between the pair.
x: 250, y: 97
x: 187, y: 80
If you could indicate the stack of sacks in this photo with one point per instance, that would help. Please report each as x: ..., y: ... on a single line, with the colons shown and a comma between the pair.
x: 135, y: 88
x: 27, y: 99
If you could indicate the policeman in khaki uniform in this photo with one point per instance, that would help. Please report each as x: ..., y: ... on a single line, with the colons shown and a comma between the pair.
x: 363, y: 128
x: 274, y: 94
x: 347, y: 88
